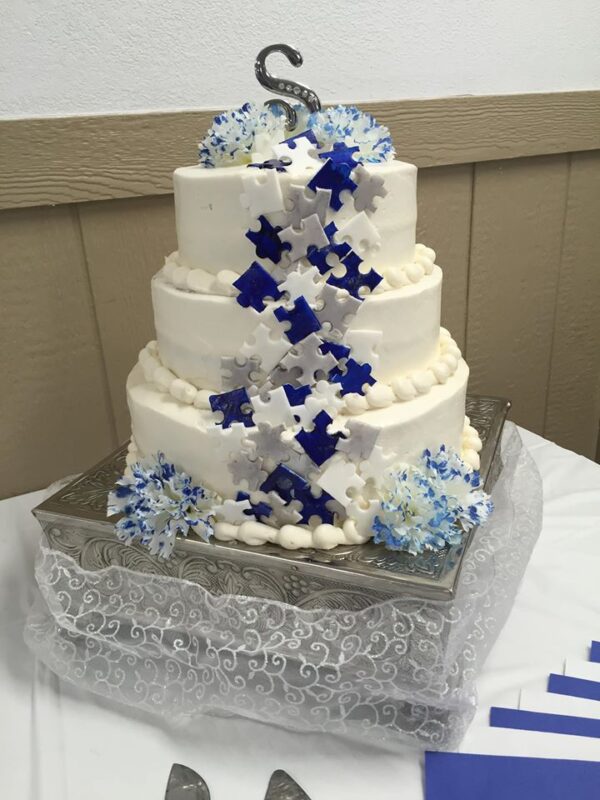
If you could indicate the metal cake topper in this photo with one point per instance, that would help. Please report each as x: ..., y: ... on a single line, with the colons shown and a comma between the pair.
x: 283, y: 86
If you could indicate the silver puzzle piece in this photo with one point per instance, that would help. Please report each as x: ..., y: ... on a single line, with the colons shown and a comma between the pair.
x: 308, y: 359
x: 310, y: 234
x: 283, y: 513
x: 368, y: 188
x: 302, y: 205
x: 236, y: 371
x: 360, y: 442
x: 337, y: 309
x: 267, y: 441
x: 245, y: 471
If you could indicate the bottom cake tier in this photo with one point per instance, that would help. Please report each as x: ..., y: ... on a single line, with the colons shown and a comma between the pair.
x: 190, y: 439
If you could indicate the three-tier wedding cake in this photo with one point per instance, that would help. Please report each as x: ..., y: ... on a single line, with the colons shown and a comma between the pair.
x: 300, y: 389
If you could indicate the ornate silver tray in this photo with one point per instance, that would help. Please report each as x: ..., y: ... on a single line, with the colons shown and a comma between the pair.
x: 350, y: 577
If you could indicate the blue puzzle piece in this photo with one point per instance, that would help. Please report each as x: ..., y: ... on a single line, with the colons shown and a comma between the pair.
x: 353, y: 279
x: 266, y: 241
x: 258, y: 510
x: 328, y: 177
x: 342, y: 157
x: 318, y: 258
x: 291, y: 142
x: 254, y: 286
x: 318, y: 443
x: 302, y: 319
x: 338, y: 350
x: 279, y: 164
x: 353, y: 377
x: 231, y: 404
x: 296, y: 395
x: 290, y: 486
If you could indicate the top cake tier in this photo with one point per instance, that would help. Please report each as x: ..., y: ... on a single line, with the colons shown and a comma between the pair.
x: 212, y: 220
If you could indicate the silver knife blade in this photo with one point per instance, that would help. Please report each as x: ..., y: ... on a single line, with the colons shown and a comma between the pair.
x: 185, y: 784
x: 282, y: 787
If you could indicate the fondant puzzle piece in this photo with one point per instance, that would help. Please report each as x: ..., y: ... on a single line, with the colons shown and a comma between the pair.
x: 328, y: 177
x: 281, y: 376
x: 368, y: 188
x: 360, y: 233
x: 342, y: 157
x: 305, y: 283
x: 377, y: 464
x: 362, y: 512
x: 328, y: 395
x: 232, y: 511
x: 318, y: 442
x: 266, y: 241
x: 364, y: 345
x: 290, y: 486
x: 326, y: 258
x: 262, y: 192
x: 292, y: 141
x: 260, y: 509
x: 352, y: 377
x: 234, y: 406
x: 272, y: 408
x: 267, y: 344
x: 354, y: 281
x: 310, y: 234
x: 283, y: 512
x: 337, y: 310
x: 296, y: 395
x: 307, y: 357
x: 301, y: 205
x: 301, y: 318
x: 267, y: 441
x: 279, y: 164
x: 255, y: 286
x: 341, y: 481
x: 301, y: 150
x: 360, y: 440
x: 246, y: 471
x: 240, y: 371
x: 340, y: 351
x: 225, y: 442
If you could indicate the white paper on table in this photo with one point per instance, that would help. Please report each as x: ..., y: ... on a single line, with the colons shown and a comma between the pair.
x: 586, y: 670
x: 509, y: 742
x: 550, y: 703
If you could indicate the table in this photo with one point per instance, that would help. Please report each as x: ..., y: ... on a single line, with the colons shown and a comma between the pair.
x: 59, y: 743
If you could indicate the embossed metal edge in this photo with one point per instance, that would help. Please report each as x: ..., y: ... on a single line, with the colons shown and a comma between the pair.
x: 332, y: 566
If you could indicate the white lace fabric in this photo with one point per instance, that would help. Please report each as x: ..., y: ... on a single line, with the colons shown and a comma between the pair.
x: 402, y: 671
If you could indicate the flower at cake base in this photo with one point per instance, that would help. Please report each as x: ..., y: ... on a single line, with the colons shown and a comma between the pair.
x: 352, y: 127
x: 430, y: 505
x: 157, y: 502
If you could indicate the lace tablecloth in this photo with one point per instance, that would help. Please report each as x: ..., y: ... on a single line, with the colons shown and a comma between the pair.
x: 60, y: 742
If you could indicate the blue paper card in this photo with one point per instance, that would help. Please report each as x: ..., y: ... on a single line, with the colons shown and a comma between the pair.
x: 549, y: 723
x: 462, y: 776
x: 595, y: 652
x: 577, y: 687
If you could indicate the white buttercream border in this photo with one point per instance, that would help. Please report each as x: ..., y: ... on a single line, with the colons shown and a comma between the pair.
x: 380, y: 395
x: 199, y: 281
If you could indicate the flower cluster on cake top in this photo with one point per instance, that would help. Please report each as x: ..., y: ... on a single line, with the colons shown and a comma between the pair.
x: 237, y: 134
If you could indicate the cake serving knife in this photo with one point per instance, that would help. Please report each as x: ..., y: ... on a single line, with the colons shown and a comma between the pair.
x: 185, y: 784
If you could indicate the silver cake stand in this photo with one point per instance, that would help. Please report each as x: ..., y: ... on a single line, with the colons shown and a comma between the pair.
x: 347, y: 577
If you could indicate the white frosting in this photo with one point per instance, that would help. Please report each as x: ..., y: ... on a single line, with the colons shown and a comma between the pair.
x: 194, y: 331
x: 188, y: 435
x: 212, y: 222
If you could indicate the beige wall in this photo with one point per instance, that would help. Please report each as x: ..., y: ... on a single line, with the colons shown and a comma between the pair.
x: 509, y: 197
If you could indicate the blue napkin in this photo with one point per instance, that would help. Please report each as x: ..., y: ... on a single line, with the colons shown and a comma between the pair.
x: 576, y: 687
x: 462, y: 776
x: 595, y: 652
x: 550, y: 723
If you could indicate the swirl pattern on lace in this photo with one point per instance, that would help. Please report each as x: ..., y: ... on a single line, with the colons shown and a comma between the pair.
x: 401, y: 671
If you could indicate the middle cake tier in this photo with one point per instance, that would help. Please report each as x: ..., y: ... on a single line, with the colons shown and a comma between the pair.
x: 397, y: 331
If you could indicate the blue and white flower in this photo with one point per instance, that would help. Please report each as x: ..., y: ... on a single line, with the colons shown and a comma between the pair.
x: 428, y: 506
x: 157, y: 502
x: 234, y: 134
x: 352, y: 127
